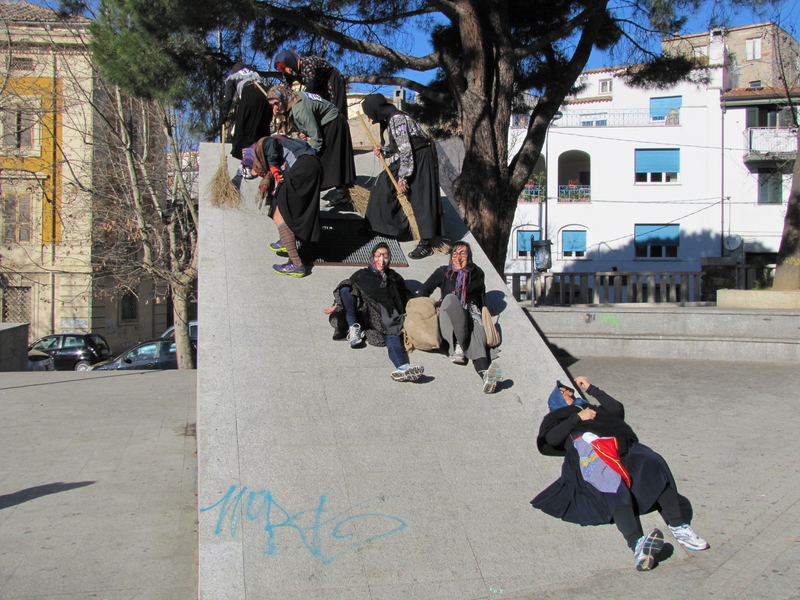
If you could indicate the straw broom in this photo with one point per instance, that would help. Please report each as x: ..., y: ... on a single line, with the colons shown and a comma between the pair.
x: 223, y: 193
x: 401, y: 197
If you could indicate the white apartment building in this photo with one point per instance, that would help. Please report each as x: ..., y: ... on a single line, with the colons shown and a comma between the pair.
x: 640, y: 180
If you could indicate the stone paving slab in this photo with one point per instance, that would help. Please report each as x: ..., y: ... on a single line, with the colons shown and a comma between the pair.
x: 98, y: 486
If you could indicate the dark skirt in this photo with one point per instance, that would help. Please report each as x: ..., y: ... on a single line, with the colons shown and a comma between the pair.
x: 384, y: 213
x: 252, y: 121
x: 337, y: 84
x: 298, y: 198
x: 572, y: 499
x: 338, y: 165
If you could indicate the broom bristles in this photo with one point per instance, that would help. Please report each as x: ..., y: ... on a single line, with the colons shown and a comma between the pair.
x: 360, y: 197
x: 223, y: 193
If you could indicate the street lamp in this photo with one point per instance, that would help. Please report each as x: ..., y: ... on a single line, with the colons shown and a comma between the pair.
x: 558, y: 114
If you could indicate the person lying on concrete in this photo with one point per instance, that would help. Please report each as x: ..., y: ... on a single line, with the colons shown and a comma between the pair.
x: 291, y: 175
x: 326, y: 129
x: 607, y: 475
x: 462, y: 287
x: 411, y: 156
x: 370, y: 306
x: 253, y: 112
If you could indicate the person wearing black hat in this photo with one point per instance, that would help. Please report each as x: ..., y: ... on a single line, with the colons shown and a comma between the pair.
x: 253, y: 112
x: 412, y: 159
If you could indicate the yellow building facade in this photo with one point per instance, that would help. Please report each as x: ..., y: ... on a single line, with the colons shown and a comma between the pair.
x: 47, y: 123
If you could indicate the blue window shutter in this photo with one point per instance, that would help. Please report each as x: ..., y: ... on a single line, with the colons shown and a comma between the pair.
x: 658, y: 161
x: 573, y: 241
x: 657, y: 235
x: 659, y: 107
x: 524, y: 239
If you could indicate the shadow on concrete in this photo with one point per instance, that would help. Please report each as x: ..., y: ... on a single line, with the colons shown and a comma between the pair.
x: 82, y: 379
x: 9, y: 500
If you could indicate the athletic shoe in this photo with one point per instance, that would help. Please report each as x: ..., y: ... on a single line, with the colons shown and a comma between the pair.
x: 687, y: 537
x: 457, y: 356
x: 354, y: 335
x: 290, y: 269
x: 647, y: 548
x: 408, y: 372
x: 491, y: 377
x: 422, y: 250
x: 277, y: 246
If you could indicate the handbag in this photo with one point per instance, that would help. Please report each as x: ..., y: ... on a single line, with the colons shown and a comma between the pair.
x: 492, y: 335
x: 421, y: 325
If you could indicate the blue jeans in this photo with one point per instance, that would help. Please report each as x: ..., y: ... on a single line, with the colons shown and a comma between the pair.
x: 394, y: 345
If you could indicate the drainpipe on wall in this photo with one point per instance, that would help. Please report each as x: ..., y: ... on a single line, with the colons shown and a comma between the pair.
x: 53, y: 211
x: 722, y: 182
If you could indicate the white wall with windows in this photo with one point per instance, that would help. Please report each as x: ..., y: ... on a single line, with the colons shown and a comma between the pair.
x: 646, y: 180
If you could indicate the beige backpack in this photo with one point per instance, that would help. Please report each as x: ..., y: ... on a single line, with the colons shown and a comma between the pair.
x: 421, y: 326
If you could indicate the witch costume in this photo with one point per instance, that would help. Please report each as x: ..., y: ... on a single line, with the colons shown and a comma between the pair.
x: 316, y: 75
x: 608, y: 476
x: 253, y: 112
x: 328, y: 133
x: 411, y: 156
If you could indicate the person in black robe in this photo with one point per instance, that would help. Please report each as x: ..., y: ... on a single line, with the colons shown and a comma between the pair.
x: 371, y: 305
x: 291, y: 173
x: 316, y: 75
x: 411, y: 156
x: 253, y: 112
x: 608, y: 476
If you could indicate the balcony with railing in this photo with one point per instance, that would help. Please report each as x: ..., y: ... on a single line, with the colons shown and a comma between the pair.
x: 532, y: 193
x: 621, y: 117
x: 770, y: 144
x: 617, y: 117
x: 574, y: 192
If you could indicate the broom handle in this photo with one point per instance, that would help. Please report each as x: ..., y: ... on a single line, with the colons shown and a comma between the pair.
x: 375, y: 145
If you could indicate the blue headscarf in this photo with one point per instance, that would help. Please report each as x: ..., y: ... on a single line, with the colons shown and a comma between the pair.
x: 556, y: 399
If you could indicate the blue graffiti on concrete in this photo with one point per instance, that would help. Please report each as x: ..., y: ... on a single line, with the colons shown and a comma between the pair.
x: 261, y: 506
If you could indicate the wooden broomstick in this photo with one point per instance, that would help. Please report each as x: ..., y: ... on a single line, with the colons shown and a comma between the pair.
x: 401, y: 197
x: 223, y: 192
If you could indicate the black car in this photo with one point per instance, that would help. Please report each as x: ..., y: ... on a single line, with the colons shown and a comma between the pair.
x: 147, y: 356
x: 73, y: 351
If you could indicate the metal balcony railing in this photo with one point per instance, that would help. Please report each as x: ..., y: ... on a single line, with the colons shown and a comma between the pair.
x: 765, y: 141
x: 574, y: 193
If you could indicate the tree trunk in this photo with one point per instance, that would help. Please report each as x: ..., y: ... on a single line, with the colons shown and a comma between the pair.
x: 787, y: 273
x: 180, y: 312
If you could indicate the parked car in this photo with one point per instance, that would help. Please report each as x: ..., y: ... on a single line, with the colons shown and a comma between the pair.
x: 146, y: 356
x: 39, y: 361
x: 73, y: 351
x: 192, y: 331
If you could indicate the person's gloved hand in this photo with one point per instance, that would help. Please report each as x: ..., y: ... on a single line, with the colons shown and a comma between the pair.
x: 276, y: 173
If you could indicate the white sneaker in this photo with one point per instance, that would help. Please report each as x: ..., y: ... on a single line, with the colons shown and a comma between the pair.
x: 491, y: 377
x: 687, y: 537
x: 408, y: 372
x: 354, y: 335
x: 647, y: 548
x: 457, y: 357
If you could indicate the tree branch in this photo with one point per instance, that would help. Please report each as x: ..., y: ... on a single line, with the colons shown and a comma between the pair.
x: 404, y: 61
x: 399, y: 81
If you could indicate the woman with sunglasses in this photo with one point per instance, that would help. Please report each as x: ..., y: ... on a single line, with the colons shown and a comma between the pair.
x: 462, y: 287
x: 370, y: 306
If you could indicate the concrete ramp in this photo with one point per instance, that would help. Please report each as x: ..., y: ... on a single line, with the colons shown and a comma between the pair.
x: 320, y: 477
